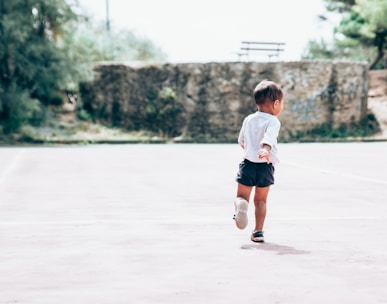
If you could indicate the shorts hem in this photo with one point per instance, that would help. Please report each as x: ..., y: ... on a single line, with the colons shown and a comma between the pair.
x: 249, y: 185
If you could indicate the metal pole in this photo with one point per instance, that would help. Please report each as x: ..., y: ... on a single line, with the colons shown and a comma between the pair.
x: 107, y: 17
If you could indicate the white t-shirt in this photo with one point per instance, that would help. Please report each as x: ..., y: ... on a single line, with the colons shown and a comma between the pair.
x: 257, y: 129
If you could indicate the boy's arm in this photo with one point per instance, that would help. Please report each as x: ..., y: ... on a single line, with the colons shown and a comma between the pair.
x: 269, y: 139
x: 264, y: 152
x: 241, y: 137
x: 266, y: 146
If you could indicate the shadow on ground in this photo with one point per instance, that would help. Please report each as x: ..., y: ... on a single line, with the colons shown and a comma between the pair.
x: 279, y: 249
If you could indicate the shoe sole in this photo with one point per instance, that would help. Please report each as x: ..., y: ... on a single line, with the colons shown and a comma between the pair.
x: 259, y: 239
x: 240, y: 217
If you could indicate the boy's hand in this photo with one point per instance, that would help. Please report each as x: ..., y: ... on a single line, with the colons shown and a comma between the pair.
x: 264, y: 153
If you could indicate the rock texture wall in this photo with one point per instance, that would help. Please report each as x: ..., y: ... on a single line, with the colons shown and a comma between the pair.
x: 209, y: 101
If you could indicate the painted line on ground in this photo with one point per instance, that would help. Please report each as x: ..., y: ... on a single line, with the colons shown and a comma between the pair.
x: 10, y: 167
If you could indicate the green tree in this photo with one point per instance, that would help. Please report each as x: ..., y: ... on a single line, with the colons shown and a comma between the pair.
x: 34, y: 67
x: 92, y: 40
x: 360, y: 35
x: 49, y: 46
x: 367, y: 23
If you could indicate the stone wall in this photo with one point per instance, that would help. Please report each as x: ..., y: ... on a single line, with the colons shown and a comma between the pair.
x: 210, y: 100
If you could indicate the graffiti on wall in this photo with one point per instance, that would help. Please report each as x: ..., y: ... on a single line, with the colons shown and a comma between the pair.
x: 351, y: 89
x: 306, y: 110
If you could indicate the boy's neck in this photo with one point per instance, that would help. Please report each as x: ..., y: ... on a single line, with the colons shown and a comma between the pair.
x: 266, y: 110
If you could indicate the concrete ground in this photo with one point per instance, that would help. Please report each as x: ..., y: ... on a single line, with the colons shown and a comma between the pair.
x: 153, y: 224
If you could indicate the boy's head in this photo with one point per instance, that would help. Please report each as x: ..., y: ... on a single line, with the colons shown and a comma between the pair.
x: 269, y: 97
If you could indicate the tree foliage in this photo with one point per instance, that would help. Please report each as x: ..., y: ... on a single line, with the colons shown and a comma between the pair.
x: 47, y: 47
x: 34, y: 66
x: 118, y: 45
x: 360, y: 35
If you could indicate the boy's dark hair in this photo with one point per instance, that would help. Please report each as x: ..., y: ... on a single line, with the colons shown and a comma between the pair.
x: 267, y: 91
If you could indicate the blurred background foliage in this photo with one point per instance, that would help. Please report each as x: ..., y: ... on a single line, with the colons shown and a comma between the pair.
x: 360, y: 35
x: 48, y: 47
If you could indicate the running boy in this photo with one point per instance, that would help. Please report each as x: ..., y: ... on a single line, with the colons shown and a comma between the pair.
x: 258, y: 138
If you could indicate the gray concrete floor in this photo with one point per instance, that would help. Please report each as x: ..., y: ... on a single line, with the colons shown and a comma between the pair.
x: 153, y: 224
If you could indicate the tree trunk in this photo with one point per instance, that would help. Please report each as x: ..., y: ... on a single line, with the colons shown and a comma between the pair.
x: 375, y: 62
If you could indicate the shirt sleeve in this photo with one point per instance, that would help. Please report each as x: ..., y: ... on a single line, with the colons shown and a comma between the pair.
x: 241, y: 137
x: 271, y: 133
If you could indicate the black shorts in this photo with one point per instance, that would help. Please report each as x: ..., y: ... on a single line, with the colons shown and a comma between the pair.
x: 255, y: 174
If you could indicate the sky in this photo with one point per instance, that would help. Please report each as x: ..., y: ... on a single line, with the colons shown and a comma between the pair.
x: 212, y: 30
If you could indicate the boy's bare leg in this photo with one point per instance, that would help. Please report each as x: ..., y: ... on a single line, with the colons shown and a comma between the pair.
x: 260, y: 199
x: 244, y: 192
x: 241, y: 206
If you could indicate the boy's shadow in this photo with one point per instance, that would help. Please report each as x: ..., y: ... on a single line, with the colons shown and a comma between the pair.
x: 279, y: 249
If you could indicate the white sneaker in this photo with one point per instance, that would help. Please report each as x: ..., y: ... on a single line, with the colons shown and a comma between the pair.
x: 257, y: 236
x: 240, y: 215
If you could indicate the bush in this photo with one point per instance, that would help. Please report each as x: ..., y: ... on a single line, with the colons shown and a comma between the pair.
x: 164, y: 113
x: 18, y: 108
